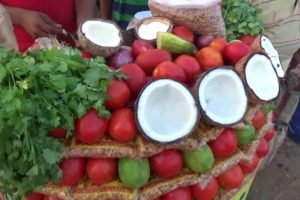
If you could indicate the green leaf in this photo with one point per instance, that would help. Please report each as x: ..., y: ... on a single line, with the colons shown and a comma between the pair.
x: 2, y: 73
x: 51, y: 157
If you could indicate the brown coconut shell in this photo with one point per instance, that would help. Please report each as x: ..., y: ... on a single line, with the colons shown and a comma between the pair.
x: 141, y: 130
x: 240, y: 68
x: 205, y: 118
x: 149, y: 20
x: 256, y: 45
x: 98, y: 50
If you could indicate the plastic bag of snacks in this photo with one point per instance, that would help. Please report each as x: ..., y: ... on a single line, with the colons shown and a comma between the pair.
x: 201, y: 16
x: 7, y: 38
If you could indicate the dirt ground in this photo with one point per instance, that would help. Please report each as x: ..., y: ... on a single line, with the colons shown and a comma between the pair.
x: 280, y: 180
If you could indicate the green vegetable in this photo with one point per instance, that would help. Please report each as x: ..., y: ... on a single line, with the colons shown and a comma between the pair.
x: 174, y: 44
x: 241, y: 18
x: 40, y: 91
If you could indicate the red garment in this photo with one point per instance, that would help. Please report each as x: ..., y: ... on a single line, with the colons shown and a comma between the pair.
x: 61, y: 11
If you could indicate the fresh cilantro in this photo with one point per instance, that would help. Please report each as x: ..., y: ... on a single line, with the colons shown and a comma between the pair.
x: 38, y: 92
x: 241, y: 18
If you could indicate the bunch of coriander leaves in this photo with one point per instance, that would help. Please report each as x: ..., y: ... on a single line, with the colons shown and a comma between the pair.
x: 241, y: 18
x: 39, y: 91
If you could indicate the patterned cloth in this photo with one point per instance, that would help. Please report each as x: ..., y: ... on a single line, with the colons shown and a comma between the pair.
x: 124, y: 10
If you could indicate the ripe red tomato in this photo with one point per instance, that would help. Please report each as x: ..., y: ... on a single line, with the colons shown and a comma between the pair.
x: 184, y: 33
x: 101, y: 170
x: 170, y: 70
x: 86, y: 55
x: 58, y: 132
x: 190, y: 66
x: 270, y: 134
x: 258, y: 120
x: 118, y: 95
x: 263, y: 148
x: 249, y: 167
x: 231, y: 179
x: 122, y: 126
x: 73, y: 171
x: 207, y: 193
x: 225, y: 145
x: 183, y: 193
x: 34, y: 196
x: 167, y: 163
x: 139, y: 46
x: 248, y: 39
x: 136, y: 78
x: 51, y: 198
x: 90, y: 128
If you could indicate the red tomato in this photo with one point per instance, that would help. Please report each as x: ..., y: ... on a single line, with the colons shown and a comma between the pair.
x: 207, y: 193
x: 139, y: 46
x: 118, y: 95
x: 258, y: 120
x: 167, y: 163
x: 219, y: 44
x: 90, y: 128
x: 86, y: 55
x: 263, y: 148
x: 122, y: 126
x: 170, y: 70
x: 190, y: 66
x: 148, y: 60
x: 101, y: 170
x: 249, y: 167
x: 270, y: 134
x: 231, y: 179
x: 136, y: 78
x: 58, y: 132
x: 183, y: 193
x: 34, y: 196
x: 184, y: 33
x: 51, y: 198
x: 225, y: 145
x: 235, y: 51
x: 248, y: 39
x: 73, y: 171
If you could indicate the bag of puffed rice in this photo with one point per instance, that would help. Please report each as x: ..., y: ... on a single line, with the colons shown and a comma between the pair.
x: 203, y: 17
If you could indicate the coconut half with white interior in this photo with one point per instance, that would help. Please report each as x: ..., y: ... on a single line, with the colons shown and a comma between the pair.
x: 148, y: 28
x: 260, y: 77
x: 263, y: 43
x: 166, y: 111
x: 222, y: 97
x: 100, y: 37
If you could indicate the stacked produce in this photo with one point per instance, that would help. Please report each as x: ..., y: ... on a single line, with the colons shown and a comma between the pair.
x: 177, y: 116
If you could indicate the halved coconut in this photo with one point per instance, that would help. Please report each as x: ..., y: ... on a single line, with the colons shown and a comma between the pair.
x: 100, y: 37
x: 148, y: 28
x: 166, y: 111
x: 260, y: 77
x: 263, y: 43
x: 222, y: 97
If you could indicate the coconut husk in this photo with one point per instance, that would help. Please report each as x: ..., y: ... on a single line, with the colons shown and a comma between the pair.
x: 256, y: 45
x: 240, y: 67
x: 98, y: 50
x: 152, y: 19
x: 203, y: 20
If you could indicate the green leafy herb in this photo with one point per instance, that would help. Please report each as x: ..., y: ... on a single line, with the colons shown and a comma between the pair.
x: 39, y: 91
x: 241, y: 18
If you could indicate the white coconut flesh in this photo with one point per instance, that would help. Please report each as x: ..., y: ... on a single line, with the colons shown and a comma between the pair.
x: 188, y: 3
x: 222, y: 96
x: 101, y: 33
x: 166, y: 111
x: 261, y: 77
x: 269, y: 49
x: 149, y: 29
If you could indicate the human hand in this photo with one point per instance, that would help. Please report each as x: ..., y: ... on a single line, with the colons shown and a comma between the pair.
x: 39, y: 24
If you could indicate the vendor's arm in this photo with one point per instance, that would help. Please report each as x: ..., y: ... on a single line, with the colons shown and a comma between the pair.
x: 35, y: 23
x: 106, y: 9
x: 85, y: 9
